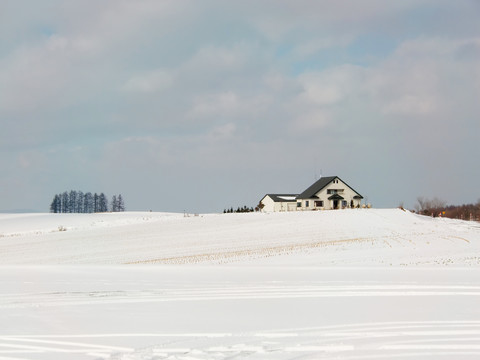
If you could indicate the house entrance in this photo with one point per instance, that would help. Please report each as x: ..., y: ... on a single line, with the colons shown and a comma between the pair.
x: 335, y: 204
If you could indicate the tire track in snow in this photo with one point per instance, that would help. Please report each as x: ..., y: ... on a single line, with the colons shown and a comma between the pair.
x: 37, y: 347
x: 231, y: 293
x: 351, y: 341
x: 417, y: 339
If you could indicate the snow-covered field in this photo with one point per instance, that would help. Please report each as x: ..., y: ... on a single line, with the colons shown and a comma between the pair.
x: 347, y: 284
x: 346, y: 237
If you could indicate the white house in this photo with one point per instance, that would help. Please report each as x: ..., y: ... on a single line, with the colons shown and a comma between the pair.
x: 329, y: 192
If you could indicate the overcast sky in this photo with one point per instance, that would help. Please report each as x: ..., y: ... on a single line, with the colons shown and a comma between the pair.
x: 202, y: 105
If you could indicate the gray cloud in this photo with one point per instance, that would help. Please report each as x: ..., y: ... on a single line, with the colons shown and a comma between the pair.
x: 189, y: 106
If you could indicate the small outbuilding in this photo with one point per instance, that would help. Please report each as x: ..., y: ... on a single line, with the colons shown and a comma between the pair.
x: 279, y: 202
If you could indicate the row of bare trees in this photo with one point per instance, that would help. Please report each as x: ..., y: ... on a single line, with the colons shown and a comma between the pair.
x: 437, y: 207
x: 426, y: 206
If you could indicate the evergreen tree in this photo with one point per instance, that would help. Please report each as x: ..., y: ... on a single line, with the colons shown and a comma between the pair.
x: 120, y: 203
x: 102, y: 203
x: 55, y: 206
x: 79, y: 204
x: 72, y: 201
x: 65, y: 202
x: 95, y: 202
x: 114, y: 203
x: 88, y: 203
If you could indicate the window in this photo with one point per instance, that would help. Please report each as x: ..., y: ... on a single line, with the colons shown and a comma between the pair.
x: 299, y: 204
x: 319, y: 203
x: 344, y: 203
x: 335, y: 191
x: 307, y: 203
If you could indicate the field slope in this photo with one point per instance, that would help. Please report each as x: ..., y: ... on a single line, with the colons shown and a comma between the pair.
x: 347, y: 284
x: 345, y: 237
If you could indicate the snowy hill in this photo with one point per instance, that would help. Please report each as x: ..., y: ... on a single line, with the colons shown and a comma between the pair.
x: 346, y: 284
x: 343, y: 237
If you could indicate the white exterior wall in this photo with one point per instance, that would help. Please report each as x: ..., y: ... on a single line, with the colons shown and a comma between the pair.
x: 281, y: 206
x: 306, y: 205
x: 272, y: 206
x: 268, y: 204
x: 323, y: 194
x: 292, y: 206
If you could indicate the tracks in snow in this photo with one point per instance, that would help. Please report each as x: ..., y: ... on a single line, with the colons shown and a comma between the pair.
x: 154, y: 313
x: 381, y: 340
x: 229, y: 292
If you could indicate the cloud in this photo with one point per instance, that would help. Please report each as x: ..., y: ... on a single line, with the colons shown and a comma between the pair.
x: 255, y: 91
x: 214, y: 105
x: 423, y: 78
x: 151, y: 81
x: 331, y: 85
x: 410, y: 105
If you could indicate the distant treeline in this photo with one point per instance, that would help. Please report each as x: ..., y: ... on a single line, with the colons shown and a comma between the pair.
x: 436, y: 207
x: 79, y: 202
x: 464, y: 212
x: 238, y: 210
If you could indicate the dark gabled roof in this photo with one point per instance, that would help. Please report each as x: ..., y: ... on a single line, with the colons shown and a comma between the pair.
x: 278, y: 197
x: 319, y: 185
x: 316, y: 187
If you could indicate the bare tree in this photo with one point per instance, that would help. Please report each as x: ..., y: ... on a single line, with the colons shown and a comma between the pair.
x: 420, y: 205
x: 430, y: 206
